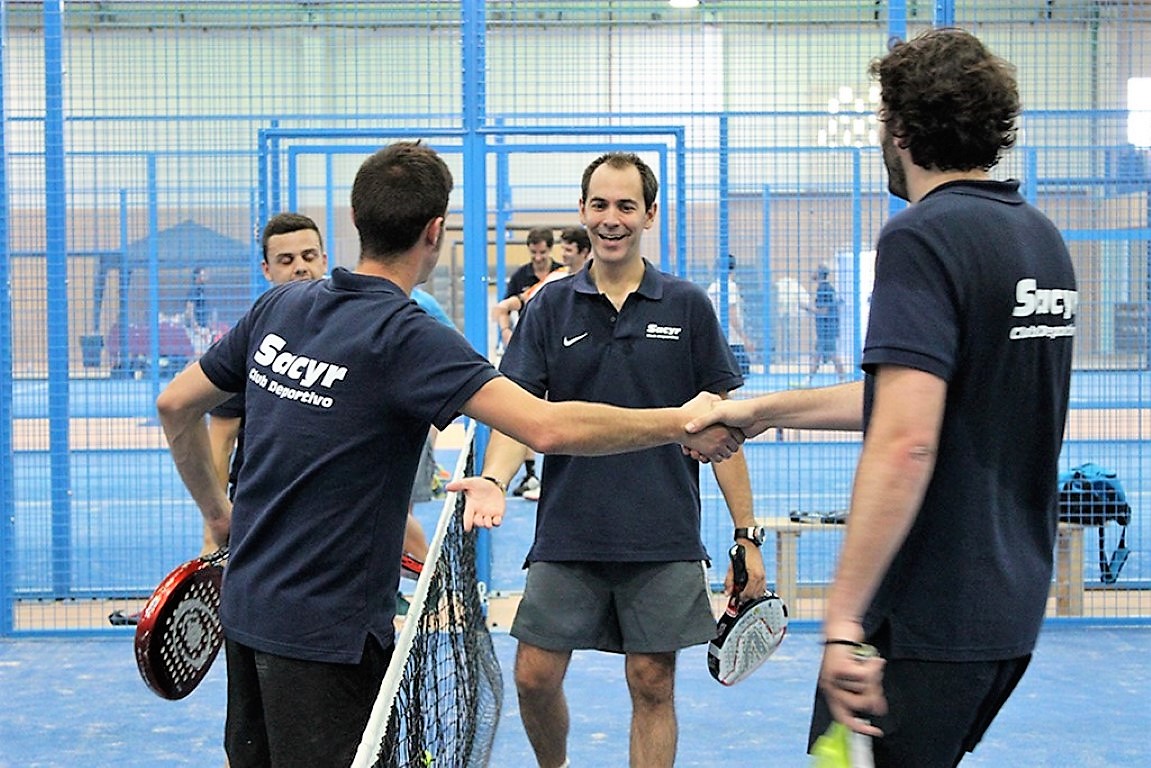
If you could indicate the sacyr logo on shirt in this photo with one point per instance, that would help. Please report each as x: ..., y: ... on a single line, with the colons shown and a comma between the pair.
x: 655, y: 331
x: 305, y: 370
x: 1032, y: 300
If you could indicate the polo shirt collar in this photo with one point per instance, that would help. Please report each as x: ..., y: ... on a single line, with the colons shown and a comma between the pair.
x: 650, y: 285
x: 345, y: 279
x: 992, y: 189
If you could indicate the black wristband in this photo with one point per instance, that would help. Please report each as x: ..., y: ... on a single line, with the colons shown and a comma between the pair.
x: 843, y: 641
x: 502, y: 486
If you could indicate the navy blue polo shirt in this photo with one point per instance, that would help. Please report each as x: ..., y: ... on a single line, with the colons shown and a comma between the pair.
x: 342, y: 378
x: 661, y: 349
x: 975, y: 286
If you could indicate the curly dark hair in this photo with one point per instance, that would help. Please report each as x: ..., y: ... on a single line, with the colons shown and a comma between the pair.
x: 950, y: 101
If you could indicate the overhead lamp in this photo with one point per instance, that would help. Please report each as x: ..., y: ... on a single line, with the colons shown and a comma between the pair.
x: 683, y: 3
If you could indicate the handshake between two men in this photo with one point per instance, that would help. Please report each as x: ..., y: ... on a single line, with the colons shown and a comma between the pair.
x: 700, y: 426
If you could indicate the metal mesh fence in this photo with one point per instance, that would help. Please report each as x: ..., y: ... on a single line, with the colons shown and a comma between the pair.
x: 145, y: 143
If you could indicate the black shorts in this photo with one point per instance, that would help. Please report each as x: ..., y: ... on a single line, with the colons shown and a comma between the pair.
x: 937, y: 710
x: 290, y: 713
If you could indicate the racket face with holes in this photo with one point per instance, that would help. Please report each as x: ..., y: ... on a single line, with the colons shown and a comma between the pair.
x: 179, y: 632
x: 746, y: 636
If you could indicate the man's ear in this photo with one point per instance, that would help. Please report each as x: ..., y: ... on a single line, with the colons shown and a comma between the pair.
x: 650, y: 218
x: 434, y: 232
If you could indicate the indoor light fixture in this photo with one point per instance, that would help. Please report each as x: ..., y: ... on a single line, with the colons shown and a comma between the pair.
x: 683, y: 3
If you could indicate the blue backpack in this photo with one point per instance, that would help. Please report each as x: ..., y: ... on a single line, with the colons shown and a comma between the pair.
x: 1092, y: 495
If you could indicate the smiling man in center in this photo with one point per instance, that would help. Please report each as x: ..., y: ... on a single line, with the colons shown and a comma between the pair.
x: 617, y: 563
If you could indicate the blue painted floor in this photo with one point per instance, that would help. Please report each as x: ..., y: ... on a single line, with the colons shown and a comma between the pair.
x: 1083, y: 703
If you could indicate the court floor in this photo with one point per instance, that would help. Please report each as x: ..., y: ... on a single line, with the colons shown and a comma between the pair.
x: 1083, y: 703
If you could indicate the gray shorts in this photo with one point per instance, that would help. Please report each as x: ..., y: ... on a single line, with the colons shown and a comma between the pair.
x: 615, y: 607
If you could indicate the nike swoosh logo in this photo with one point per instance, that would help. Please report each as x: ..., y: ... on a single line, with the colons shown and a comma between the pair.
x: 568, y: 342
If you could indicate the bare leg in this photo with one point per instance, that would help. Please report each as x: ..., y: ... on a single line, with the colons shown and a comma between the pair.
x: 651, y: 682
x: 543, y: 708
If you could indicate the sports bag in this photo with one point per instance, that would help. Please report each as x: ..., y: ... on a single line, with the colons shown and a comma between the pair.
x: 1092, y: 495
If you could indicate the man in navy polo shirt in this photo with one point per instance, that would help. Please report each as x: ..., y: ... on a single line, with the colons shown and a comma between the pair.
x: 618, y: 565
x: 946, y: 565
x: 343, y: 378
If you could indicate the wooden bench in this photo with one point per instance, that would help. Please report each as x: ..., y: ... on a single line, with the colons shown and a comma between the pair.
x: 1068, y: 588
x: 787, y: 533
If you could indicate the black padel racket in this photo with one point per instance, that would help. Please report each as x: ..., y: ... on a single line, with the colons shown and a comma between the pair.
x: 178, y: 633
x: 748, y: 632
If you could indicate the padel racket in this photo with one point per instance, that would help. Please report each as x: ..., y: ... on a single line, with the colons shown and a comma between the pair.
x: 410, y: 567
x: 179, y: 633
x: 748, y: 632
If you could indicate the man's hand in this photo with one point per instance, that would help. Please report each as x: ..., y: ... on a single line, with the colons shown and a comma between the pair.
x: 852, y: 683
x: 740, y: 415
x: 756, y: 575
x: 709, y: 443
x: 486, y: 501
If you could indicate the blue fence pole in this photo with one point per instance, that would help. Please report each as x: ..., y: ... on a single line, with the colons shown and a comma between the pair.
x: 56, y: 277
x: 122, y: 366
x: 7, y: 473
x: 476, y: 219
x: 770, y: 308
x: 722, y: 265
x: 153, y: 276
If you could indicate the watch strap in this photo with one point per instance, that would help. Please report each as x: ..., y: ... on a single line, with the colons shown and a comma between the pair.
x: 754, y: 534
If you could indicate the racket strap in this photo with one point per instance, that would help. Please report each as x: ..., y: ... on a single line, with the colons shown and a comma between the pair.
x: 1109, y: 569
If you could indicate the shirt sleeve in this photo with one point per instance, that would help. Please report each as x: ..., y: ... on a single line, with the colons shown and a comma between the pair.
x: 914, y: 319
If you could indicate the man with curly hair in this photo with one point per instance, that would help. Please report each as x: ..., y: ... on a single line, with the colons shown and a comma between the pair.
x: 941, y: 586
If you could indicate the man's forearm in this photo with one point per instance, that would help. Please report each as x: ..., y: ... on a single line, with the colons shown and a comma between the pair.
x: 838, y: 407
x: 732, y: 478
x: 889, y: 487
x: 189, y: 445
x: 592, y: 429
x: 502, y: 458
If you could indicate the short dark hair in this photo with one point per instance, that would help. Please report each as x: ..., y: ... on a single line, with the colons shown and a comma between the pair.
x: 542, y: 235
x: 285, y: 223
x: 949, y: 99
x: 578, y: 237
x: 621, y: 160
x: 396, y: 192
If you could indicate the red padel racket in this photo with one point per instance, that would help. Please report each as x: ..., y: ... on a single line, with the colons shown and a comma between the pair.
x: 178, y: 633
x: 748, y: 632
x: 410, y: 567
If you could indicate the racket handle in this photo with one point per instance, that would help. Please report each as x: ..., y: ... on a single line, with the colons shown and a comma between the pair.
x: 738, y: 569
x: 859, y: 750
x: 859, y: 744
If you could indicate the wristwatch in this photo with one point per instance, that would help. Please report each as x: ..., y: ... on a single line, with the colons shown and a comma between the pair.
x: 755, y: 534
